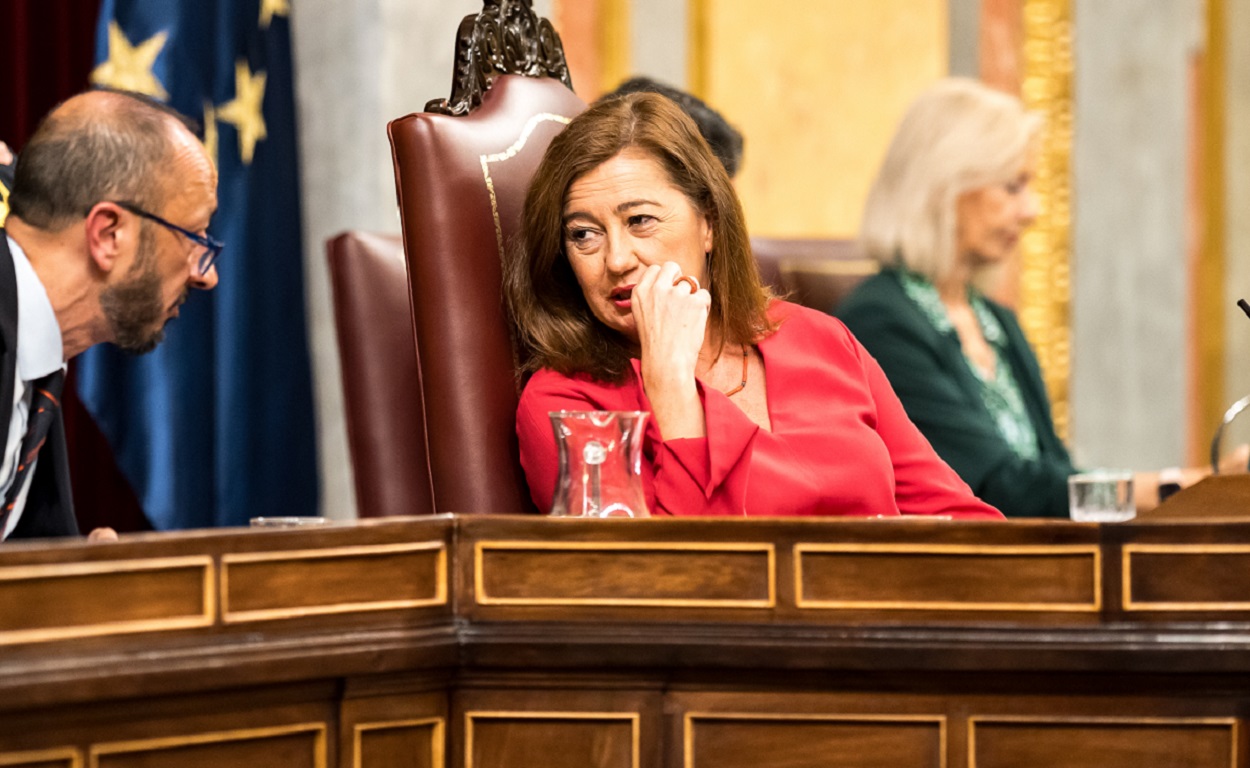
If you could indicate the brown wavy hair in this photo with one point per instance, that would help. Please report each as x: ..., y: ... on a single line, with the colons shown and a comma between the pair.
x: 554, y: 325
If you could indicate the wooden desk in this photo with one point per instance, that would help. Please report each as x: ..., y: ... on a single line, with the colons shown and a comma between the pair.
x: 491, y: 642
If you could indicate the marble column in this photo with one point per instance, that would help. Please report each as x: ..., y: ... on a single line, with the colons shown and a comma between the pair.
x: 1131, y: 115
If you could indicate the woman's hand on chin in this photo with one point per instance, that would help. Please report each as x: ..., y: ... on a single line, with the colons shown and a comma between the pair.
x: 672, y: 324
x: 671, y: 321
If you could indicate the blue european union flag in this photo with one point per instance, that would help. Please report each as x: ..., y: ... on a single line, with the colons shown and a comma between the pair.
x: 216, y: 425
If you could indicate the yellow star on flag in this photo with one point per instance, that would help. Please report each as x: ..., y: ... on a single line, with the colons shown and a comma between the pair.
x: 271, y: 8
x: 243, y: 112
x: 210, y: 130
x: 129, y: 67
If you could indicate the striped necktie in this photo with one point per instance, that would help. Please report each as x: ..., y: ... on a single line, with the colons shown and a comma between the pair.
x: 44, y: 404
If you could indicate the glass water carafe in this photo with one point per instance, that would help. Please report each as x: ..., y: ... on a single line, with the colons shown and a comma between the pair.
x: 600, y: 464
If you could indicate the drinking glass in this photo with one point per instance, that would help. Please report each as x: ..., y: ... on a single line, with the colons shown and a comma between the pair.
x: 1105, y: 496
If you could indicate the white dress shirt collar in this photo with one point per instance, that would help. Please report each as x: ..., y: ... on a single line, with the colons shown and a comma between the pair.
x: 39, y: 350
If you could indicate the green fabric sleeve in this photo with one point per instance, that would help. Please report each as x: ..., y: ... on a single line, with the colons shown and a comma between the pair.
x: 941, y: 395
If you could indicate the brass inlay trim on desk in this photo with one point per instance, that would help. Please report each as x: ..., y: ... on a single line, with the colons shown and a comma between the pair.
x: 217, y: 737
x: 690, y: 717
x: 509, y: 153
x: 439, y: 597
x: 437, y: 754
x: 74, y: 756
x: 50, y: 572
x: 1076, y: 720
x: 1126, y: 566
x: 482, y: 598
x: 633, y: 718
x: 1093, y: 605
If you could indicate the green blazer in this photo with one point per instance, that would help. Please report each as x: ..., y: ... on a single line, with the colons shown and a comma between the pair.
x: 943, y: 397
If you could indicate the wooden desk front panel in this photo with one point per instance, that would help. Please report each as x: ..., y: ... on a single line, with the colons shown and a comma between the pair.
x: 963, y: 729
x: 278, y: 726
x: 1098, y: 741
x: 522, y: 569
x: 500, y: 642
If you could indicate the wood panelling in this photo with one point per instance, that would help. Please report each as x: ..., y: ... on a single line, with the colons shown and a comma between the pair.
x: 673, y: 574
x: 275, y: 585
x: 1197, y: 577
x: 813, y: 741
x: 295, y: 746
x: 502, y: 642
x: 67, y: 757
x: 66, y: 600
x: 404, y: 729
x: 400, y: 744
x: 953, y: 578
x: 553, y: 739
x: 1076, y: 743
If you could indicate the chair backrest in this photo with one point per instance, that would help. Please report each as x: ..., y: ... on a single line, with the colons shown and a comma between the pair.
x: 816, y: 273
x: 461, y: 175
x: 381, y: 378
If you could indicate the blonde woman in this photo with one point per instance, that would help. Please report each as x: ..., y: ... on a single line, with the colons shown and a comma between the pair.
x: 947, y: 208
x: 949, y: 205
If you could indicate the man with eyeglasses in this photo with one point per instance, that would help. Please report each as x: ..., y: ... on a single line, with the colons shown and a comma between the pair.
x: 106, y: 236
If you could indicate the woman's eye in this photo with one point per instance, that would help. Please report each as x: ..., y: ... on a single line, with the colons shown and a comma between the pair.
x: 580, y: 235
x: 641, y: 220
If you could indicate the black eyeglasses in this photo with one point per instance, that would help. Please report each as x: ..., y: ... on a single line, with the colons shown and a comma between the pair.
x: 211, y: 245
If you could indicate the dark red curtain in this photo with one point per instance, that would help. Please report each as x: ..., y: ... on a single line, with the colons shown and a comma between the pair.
x: 47, y: 50
x: 46, y: 53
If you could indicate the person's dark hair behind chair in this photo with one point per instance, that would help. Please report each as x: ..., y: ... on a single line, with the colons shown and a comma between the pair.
x: 723, y: 138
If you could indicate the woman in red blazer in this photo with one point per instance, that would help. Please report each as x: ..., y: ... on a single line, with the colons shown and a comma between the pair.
x: 634, y: 288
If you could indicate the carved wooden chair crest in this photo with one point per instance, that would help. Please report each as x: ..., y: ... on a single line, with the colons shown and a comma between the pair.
x: 506, y: 37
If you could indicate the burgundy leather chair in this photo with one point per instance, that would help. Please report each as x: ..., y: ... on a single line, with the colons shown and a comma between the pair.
x: 461, y: 170
x: 816, y: 273
x: 381, y: 379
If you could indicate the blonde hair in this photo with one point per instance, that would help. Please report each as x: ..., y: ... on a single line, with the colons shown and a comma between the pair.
x: 957, y: 136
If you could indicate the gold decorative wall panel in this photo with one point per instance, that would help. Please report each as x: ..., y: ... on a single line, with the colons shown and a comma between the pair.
x: 1045, y: 249
x: 816, y: 88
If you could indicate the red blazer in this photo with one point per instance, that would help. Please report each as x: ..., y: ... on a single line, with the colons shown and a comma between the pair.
x: 840, y: 443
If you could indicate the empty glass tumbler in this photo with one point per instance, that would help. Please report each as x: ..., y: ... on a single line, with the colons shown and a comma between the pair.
x: 600, y: 464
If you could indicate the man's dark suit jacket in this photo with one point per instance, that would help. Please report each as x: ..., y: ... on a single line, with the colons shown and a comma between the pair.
x: 49, y: 503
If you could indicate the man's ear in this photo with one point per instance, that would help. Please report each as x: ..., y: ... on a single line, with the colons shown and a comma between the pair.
x: 105, y: 235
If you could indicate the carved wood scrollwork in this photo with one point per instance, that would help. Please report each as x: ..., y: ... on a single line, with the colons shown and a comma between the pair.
x: 506, y: 37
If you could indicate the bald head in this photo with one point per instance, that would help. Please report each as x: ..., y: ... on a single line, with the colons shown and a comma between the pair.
x: 99, y: 145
